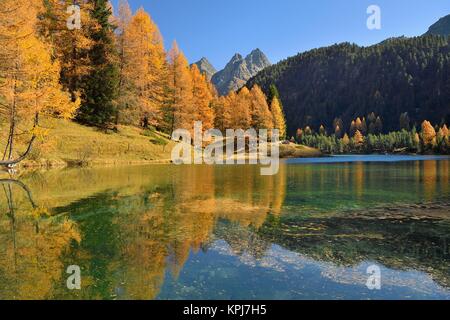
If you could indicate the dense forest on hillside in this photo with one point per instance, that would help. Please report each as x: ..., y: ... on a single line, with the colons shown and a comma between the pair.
x: 409, y: 76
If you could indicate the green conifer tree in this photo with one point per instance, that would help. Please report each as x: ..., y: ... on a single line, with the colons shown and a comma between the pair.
x: 98, y: 106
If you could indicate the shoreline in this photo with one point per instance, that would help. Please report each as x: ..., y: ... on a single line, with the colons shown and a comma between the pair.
x: 48, y: 165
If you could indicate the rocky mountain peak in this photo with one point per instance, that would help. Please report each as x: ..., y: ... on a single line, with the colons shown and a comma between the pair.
x: 239, y: 70
x: 206, y: 67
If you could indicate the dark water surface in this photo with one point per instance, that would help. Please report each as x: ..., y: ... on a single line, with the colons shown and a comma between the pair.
x: 202, y: 232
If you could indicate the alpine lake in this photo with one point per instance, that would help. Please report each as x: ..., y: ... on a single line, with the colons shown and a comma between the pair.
x: 225, y: 232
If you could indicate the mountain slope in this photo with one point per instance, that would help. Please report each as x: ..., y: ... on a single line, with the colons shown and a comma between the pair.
x: 347, y: 81
x: 239, y: 70
x: 441, y: 28
x: 206, y: 67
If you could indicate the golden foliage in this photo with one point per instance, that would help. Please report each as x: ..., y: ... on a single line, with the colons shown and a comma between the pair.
x: 181, y: 89
x: 202, y: 97
x: 143, y: 67
x: 69, y: 47
x: 346, y: 140
x: 261, y: 118
x: 28, y: 75
x: 358, y: 138
x: 279, y: 120
x: 428, y: 134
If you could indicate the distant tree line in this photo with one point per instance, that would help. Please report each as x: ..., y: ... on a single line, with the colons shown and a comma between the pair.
x: 363, y: 139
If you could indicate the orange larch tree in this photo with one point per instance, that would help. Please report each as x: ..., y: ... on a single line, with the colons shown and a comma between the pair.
x: 261, y: 117
x: 70, y: 46
x: 180, y: 111
x: 428, y: 134
x: 29, y: 77
x: 240, y: 104
x: 279, y: 120
x: 143, y: 70
x: 202, y: 98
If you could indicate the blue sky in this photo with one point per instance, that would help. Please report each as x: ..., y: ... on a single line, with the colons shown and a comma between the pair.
x: 217, y: 29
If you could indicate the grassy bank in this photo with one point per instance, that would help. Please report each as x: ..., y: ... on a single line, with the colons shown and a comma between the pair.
x: 298, y: 151
x: 68, y: 144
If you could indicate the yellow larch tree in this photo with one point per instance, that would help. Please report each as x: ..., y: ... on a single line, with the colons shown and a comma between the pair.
x: 181, y: 113
x: 202, y: 97
x: 346, y: 141
x: 70, y: 46
x: 428, y: 134
x: 29, y: 77
x: 358, y: 124
x: 144, y: 70
x: 279, y: 120
x: 261, y: 118
x: 240, y: 109
x: 353, y: 128
x: 358, y: 138
x: 123, y: 21
x: 222, y: 115
x: 444, y: 131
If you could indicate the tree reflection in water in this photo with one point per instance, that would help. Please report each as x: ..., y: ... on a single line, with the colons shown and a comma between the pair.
x: 31, y: 243
x: 131, y: 230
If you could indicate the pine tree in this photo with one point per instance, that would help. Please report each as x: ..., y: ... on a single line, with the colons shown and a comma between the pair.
x: 100, y: 90
x: 273, y: 93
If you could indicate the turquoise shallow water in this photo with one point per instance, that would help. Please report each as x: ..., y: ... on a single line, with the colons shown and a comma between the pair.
x: 202, y: 232
x: 367, y: 159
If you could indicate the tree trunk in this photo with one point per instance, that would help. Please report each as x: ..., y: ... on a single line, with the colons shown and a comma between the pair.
x: 11, y: 162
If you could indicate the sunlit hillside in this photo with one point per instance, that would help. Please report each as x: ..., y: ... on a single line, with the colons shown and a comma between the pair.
x: 66, y: 143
